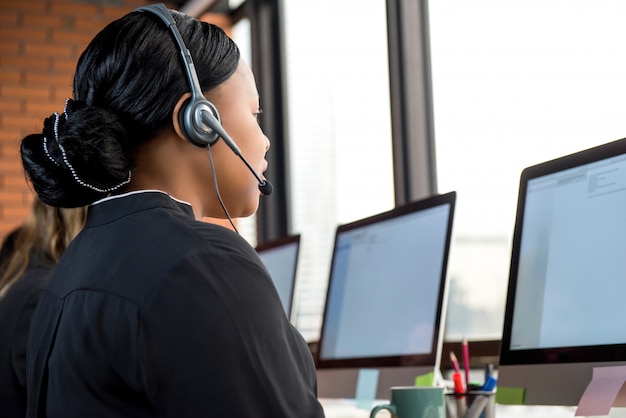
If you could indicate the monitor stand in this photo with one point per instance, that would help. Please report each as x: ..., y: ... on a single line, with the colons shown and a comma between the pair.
x: 550, y: 384
x: 342, y: 383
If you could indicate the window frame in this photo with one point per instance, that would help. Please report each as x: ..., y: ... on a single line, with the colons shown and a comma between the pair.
x: 265, y: 16
x: 412, y: 120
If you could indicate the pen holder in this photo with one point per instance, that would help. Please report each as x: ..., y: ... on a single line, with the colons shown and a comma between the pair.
x: 472, y: 404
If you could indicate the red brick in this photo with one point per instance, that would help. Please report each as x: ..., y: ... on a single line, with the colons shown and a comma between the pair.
x: 33, y: 78
x: 8, y: 17
x: 21, y: 123
x: 25, y: 92
x: 9, y: 142
x: 21, y: 211
x: 79, y: 39
x: 13, y: 180
x: 59, y: 94
x: 31, y: 20
x: 10, y: 76
x: 48, y: 49
x: 34, y: 108
x: 29, y: 6
x: 111, y: 13
x: 16, y: 198
x: 64, y: 65
x: 22, y: 62
x: 13, y: 197
x: 15, y: 215
x: 10, y: 108
x: 13, y: 153
x: 73, y: 9
x: 11, y: 149
x: 31, y: 128
x: 91, y: 25
x: 28, y: 194
x: 6, y: 227
x: 27, y: 34
x: 7, y: 136
x: 21, y: 199
x: 9, y: 47
x: 11, y: 165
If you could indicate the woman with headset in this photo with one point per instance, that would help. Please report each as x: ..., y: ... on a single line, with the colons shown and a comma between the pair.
x: 151, y: 312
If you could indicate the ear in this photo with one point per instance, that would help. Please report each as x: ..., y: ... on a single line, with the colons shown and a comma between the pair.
x: 175, y: 113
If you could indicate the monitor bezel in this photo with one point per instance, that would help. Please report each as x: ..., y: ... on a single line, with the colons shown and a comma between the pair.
x: 284, y: 241
x: 279, y: 242
x: 432, y: 357
x: 553, y: 355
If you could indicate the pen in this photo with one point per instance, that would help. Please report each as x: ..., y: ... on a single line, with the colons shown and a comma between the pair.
x: 466, y: 364
x: 451, y: 408
x: 455, y: 362
x: 477, y: 406
x: 488, y: 371
x: 490, y: 384
x: 459, y: 394
x: 458, y: 383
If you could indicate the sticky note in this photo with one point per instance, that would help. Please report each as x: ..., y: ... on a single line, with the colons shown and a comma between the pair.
x: 603, y: 390
x: 425, y: 379
x: 510, y: 396
x: 366, y: 385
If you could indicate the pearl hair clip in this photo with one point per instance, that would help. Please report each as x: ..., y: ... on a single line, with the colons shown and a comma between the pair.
x: 66, y: 160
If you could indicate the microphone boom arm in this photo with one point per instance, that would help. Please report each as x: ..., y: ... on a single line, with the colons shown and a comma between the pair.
x: 264, y: 186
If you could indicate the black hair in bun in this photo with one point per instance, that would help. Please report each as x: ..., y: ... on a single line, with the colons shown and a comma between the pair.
x: 126, y: 85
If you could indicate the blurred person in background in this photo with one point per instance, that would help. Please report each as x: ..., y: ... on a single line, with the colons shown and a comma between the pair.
x: 27, y: 257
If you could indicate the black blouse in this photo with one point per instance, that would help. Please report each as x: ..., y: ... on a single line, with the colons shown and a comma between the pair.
x: 151, y: 313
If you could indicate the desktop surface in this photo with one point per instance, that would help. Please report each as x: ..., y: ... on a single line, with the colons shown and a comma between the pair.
x: 347, y: 408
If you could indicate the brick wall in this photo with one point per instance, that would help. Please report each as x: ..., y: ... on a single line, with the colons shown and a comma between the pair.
x: 40, y: 42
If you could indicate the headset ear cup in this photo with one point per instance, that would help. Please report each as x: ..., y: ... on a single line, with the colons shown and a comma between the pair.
x: 191, y: 124
x: 182, y: 121
x: 211, y: 135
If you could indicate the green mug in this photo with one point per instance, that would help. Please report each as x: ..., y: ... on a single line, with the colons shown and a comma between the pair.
x: 414, y: 402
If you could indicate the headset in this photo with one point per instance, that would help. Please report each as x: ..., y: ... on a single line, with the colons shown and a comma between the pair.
x: 198, y: 118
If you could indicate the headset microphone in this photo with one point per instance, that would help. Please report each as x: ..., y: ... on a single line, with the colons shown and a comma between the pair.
x: 211, y: 121
x: 198, y: 117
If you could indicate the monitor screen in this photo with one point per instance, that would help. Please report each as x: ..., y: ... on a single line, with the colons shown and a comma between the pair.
x: 568, y: 276
x: 386, y: 292
x: 281, y: 260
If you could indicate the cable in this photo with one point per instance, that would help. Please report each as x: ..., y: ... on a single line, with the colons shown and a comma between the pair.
x: 217, y: 190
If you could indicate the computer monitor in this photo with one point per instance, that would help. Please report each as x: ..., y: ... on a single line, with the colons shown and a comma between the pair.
x: 385, y: 298
x: 565, y: 306
x: 280, y: 257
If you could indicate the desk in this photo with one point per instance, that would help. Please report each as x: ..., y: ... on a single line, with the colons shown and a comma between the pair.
x: 346, y: 408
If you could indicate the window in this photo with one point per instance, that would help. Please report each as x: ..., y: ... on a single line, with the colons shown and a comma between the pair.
x: 340, y: 158
x: 241, y: 36
x: 514, y: 83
